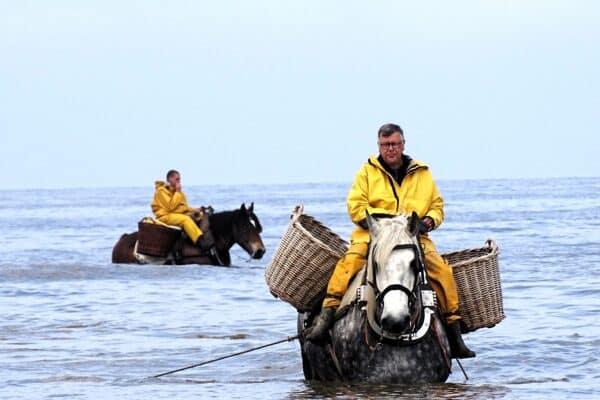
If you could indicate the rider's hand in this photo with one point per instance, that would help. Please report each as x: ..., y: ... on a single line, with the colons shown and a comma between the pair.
x: 428, y: 222
x: 363, y: 223
x: 178, y: 187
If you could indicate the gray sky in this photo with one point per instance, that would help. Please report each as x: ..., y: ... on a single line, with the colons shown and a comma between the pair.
x: 114, y: 93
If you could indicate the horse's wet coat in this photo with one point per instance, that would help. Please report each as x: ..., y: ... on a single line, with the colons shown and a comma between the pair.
x: 375, y: 362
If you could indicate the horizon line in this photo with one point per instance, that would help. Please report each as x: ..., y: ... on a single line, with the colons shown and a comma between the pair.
x: 76, y: 187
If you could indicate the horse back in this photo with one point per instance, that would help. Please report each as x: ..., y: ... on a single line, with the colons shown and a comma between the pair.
x: 123, y: 250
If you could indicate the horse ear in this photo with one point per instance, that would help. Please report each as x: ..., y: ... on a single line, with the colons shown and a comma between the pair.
x: 251, y: 208
x: 197, y: 214
x: 413, y: 224
x: 243, y: 207
x: 373, y: 224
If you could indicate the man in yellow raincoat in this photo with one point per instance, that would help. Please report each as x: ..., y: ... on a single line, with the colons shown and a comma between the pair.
x: 393, y: 183
x: 171, y: 207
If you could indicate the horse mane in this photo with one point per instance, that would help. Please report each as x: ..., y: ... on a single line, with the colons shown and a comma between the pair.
x: 221, y: 222
x: 392, y: 232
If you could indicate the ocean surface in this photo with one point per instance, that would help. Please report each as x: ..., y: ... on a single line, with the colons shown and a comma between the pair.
x: 73, y: 325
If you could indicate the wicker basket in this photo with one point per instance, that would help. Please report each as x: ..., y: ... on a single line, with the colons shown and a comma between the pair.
x: 477, y: 279
x: 304, y: 261
x: 156, y: 239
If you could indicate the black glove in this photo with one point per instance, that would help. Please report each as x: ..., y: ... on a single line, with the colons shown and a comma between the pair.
x: 423, y: 227
x: 363, y: 223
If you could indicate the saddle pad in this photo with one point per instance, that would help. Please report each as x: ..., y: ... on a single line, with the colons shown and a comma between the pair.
x: 150, y: 220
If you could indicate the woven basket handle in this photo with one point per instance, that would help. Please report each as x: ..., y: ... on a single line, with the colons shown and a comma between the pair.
x: 493, y: 245
x: 298, y: 211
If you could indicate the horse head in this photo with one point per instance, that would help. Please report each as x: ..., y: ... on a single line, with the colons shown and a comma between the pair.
x: 247, y: 230
x: 393, y: 262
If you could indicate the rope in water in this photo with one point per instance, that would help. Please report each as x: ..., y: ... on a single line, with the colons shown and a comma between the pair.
x: 462, y: 369
x: 288, y: 339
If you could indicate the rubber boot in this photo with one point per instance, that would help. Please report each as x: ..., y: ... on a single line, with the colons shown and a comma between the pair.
x: 458, y: 348
x: 320, y: 328
x: 205, y: 243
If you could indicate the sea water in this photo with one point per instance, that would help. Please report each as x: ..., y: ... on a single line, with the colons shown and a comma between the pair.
x: 73, y: 325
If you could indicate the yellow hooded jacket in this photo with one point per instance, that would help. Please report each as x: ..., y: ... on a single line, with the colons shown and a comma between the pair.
x: 167, y: 201
x: 375, y: 190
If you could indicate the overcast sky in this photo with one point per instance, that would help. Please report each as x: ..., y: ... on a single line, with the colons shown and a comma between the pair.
x: 114, y: 93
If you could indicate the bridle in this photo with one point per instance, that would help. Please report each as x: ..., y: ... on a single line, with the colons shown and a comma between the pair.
x: 414, y: 293
x: 418, y: 269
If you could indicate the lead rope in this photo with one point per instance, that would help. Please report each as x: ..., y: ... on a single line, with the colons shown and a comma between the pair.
x: 213, y: 252
x: 462, y: 369
x: 377, y: 346
x: 244, y: 259
x: 288, y: 339
x: 372, y: 349
x: 446, y: 359
x: 373, y: 284
x: 424, y: 276
x: 335, y: 360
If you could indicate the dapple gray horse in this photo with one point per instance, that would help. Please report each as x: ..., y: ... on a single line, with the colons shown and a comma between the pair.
x: 387, y: 328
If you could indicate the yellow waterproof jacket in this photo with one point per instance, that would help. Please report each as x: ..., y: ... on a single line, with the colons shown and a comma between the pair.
x: 375, y: 190
x: 167, y: 201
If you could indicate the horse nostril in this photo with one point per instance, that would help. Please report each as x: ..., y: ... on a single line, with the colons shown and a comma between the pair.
x: 395, y: 325
x: 259, y: 253
x: 385, y: 323
x: 405, y: 322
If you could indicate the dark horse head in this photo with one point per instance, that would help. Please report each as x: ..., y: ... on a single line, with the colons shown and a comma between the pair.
x: 239, y: 226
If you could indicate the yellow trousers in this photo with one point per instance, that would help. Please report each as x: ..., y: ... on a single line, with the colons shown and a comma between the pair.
x: 185, y: 222
x: 438, y: 271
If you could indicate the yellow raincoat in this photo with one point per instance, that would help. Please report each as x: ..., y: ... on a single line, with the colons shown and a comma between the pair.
x: 171, y: 207
x: 376, y: 191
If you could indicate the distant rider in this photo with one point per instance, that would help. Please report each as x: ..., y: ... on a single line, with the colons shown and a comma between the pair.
x: 390, y: 184
x: 171, y: 207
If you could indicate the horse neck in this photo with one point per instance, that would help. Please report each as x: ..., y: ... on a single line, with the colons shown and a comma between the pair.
x: 221, y: 225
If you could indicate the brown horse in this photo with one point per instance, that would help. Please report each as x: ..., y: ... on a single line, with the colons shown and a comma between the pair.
x: 239, y: 226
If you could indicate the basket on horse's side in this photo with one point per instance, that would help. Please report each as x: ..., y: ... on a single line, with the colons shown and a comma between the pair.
x: 477, y: 277
x: 304, y: 261
x: 156, y: 239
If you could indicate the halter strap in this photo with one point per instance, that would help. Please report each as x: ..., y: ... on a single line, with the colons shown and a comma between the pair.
x: 416, y: 296
x: 398, y: 286
x: 410, y: 293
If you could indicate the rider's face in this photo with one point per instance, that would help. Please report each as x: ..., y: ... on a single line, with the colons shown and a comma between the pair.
x: 174, y: 180
x: 391, y: 149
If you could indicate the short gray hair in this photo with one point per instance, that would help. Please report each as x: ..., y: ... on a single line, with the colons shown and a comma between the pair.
x: 388, y: 130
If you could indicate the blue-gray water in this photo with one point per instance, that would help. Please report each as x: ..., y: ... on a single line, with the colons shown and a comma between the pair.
x: 73, y: 325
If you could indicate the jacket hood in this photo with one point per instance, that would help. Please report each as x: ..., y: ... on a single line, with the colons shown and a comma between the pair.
x: 159, y: 184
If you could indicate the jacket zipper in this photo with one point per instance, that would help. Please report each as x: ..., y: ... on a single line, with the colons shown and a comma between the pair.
x: 395, y: 194
x: 391, y: 180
